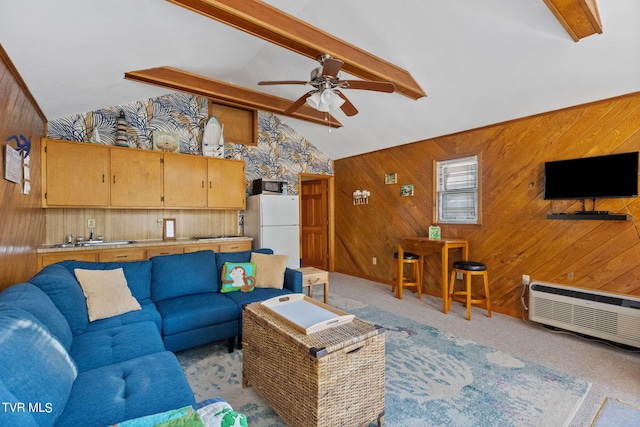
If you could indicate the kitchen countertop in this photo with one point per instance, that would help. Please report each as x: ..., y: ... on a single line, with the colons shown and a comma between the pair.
x: 144, y: 243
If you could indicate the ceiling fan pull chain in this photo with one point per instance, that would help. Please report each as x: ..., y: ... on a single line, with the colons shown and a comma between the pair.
x: 327, y: 117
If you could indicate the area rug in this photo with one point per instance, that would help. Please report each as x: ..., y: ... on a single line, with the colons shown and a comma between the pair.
x: 433, y: 379
x: 614, y: 413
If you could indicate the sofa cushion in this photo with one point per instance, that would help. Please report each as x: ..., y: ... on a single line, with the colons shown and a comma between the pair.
x: 243, y: 256
x: 149, y: 313
x: 65, y: 292
x: 32, y: 299
x: 238, y: 276
x: 131, y: 389
x: 35, y: 369
x: 183, y: 274
x: 101, y: 348
x: 138, y: 274
x: 195, y: 311
x: 269, y: 270
x: 106, y: 292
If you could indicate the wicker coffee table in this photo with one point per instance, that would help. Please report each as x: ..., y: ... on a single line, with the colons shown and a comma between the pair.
x: 334, y: 377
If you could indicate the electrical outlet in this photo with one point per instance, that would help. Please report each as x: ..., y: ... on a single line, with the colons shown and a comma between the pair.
x: 160, y: 222
x: 374, y: 260
x: 570, y: 275
x: 91, y: 223
x: 526, y: 279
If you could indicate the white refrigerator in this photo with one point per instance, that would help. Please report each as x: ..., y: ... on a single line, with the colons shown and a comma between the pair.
x: 273, y: 220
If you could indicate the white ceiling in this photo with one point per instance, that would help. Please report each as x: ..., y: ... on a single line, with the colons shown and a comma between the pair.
x: 479, y: 61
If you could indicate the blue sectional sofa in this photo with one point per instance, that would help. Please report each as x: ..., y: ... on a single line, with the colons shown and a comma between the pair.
x: 59, y: 368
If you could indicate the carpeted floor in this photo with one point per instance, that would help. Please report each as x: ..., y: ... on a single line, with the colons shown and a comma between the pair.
x: 433, y: 377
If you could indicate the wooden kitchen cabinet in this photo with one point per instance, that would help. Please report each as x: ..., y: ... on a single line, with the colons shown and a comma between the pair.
x: 75, y: 174
x: 134, y: 254
x: 235, y: 246
x: 139, y: 251
x: 164, y: 250
x: 215, y: 247
x: 136, y: 178
x: 55, y: 257
x: 185, y: 181
x: 226, y: 186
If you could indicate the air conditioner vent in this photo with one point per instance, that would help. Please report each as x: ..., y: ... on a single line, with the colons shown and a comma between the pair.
x: 598, y: 314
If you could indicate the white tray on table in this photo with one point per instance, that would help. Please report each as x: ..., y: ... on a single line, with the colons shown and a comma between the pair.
x: 306, y: 314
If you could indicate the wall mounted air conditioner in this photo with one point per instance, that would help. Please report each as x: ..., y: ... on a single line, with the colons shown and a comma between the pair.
x: 608, y: 316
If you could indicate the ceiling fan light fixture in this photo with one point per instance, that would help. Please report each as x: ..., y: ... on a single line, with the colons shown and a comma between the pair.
x: 325, y: 101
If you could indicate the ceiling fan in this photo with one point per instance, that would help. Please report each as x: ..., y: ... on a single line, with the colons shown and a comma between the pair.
x: 327, y: 93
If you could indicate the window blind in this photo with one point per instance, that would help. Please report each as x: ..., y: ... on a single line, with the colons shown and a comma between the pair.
x: 457, y: 187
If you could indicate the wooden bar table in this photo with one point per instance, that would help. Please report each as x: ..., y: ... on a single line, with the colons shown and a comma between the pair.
x: 424, y: 246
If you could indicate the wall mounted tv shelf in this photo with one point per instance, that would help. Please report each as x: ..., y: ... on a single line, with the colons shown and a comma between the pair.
x: 588, y: 216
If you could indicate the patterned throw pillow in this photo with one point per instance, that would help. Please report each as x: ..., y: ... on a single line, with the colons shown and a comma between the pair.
x: 238, y: 276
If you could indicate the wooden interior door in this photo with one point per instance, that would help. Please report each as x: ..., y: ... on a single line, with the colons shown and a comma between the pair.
x: 314, y: 223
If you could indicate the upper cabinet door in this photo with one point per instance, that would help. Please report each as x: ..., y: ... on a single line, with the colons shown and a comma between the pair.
x: 226, y: 184
x: 76, y: 174
x: 185, y: 180
x: 136, y: 178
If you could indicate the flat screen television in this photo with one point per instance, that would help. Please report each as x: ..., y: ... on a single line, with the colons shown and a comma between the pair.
x: 610, y: 176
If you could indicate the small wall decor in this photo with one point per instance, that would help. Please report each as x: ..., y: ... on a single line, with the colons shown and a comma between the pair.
x: 166, y: 141
x: 169, y: 229
x: 361, y: 197
x: 121, y: 130
x: 213, y: 139
x: 406, y: 190
x: 12, y: 165
x: 390, y: 178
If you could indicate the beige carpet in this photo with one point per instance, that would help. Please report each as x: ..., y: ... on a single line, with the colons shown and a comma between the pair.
x: 613, y: 372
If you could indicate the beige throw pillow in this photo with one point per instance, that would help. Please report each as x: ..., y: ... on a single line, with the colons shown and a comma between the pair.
x: 269, y: 270
x: 106, y: 292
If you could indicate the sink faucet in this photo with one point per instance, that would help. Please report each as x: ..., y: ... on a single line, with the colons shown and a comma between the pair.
x: 91, y: 236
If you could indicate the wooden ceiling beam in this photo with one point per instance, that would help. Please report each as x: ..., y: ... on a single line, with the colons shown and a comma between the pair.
x: 266, y: 22
x: 227, y: 93
x: 580, y: 18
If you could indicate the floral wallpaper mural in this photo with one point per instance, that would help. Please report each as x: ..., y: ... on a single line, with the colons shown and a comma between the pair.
x: 281, y: 152
x: 178, y: 113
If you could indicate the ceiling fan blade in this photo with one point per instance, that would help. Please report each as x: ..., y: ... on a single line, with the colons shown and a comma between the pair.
x: 331, y: 67
x: 368, y: 85
x: 283, y: 82
x: 298, y: 103
x: 348, y: 108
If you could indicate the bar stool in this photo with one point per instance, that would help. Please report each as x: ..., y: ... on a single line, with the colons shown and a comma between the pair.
x: 415, y: 279
x: 469, y: 269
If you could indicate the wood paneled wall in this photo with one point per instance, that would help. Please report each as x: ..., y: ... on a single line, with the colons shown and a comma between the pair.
x: 515, y: 237
x: 22, y: 221
x: 138, y: 224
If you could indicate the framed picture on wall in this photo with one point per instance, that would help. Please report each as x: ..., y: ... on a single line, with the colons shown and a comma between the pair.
x: 390, y: 178
x: 169, y: 229
x: 406, y: 190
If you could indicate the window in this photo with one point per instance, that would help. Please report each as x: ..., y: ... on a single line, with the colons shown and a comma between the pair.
x: 457, y: 191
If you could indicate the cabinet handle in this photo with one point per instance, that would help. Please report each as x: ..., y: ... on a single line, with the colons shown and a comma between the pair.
x: 202, y: 184
x: 114, y: 179
x: 103, y: 178
x: 122, y: 256
x: 209, y: 184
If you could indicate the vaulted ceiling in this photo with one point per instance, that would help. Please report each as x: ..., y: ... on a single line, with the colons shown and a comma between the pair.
x: 479, y: 61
